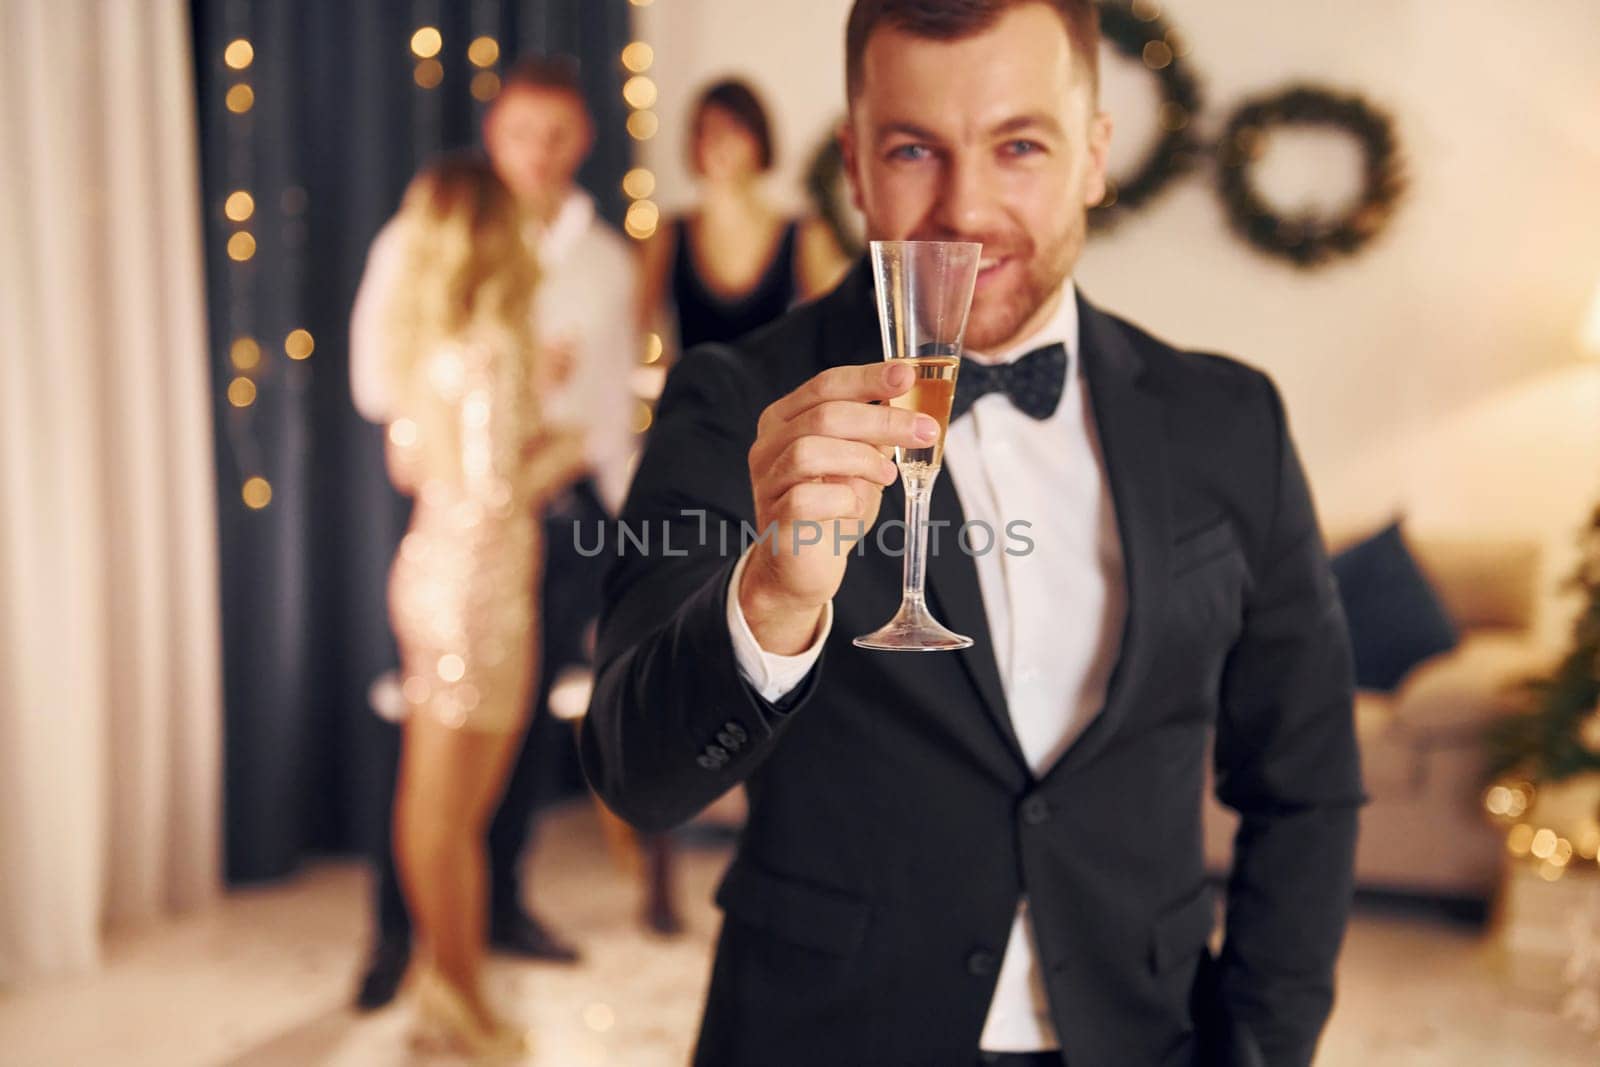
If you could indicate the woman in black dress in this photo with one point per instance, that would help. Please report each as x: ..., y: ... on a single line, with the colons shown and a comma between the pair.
x: 734, y: 262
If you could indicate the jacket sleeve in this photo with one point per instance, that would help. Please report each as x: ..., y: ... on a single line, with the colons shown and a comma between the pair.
x: 1286, y: 761
x: 672, y: 724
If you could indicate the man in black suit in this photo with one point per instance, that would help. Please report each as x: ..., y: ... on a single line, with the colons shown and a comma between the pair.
x: 991, y: 856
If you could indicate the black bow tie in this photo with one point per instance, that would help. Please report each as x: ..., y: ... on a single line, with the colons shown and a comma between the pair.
x: 1034, y: 383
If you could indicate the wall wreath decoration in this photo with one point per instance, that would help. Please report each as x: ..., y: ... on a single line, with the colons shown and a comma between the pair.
x: 1307, y: 239
x: 1138, y: 32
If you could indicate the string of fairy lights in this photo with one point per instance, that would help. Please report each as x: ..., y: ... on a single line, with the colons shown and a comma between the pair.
x: 1511, y: 803
x: 249, y: 361
x: 639, y: 92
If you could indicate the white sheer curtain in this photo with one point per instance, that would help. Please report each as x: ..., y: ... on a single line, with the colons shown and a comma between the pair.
x: 110, y: 695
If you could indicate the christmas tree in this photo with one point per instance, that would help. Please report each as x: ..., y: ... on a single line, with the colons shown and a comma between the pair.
x: 1557, y: 735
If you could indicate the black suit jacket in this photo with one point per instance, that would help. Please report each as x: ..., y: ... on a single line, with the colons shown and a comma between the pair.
x: 893, y: 822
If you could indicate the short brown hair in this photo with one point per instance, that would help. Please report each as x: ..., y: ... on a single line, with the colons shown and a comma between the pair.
x: 951, y: 20
x: 549, y: 74
x: 738, y: 101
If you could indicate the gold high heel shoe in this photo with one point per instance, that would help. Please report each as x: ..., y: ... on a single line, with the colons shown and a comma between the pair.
x: 446, y: 1025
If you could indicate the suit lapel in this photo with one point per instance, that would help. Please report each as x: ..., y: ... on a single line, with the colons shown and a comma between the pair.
x: 1131, y: 425
x: 957, y: 601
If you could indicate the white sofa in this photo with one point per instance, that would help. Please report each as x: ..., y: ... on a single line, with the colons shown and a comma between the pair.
x: 1425, y: 831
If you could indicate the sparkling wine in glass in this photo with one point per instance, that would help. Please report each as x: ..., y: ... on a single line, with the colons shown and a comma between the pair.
x: 924, y: 293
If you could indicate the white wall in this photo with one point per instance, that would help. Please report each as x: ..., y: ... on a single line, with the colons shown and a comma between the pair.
x: 791, y: 52
x: 1437, y: 373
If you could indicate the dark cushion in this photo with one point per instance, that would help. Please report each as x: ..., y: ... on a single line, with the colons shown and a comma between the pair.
x: 1396, y: 618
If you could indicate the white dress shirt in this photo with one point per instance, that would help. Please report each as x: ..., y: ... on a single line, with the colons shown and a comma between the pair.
x: 586, y: 297
x: 1055, y: 615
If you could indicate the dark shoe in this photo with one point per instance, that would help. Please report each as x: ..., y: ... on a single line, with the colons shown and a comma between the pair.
x: 520, y: 934
x: 386, y: 968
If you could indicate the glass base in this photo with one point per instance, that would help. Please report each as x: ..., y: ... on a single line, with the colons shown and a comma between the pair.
x: 913, y: 630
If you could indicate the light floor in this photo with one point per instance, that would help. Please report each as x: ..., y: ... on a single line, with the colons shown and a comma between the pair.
x: 262, y: 980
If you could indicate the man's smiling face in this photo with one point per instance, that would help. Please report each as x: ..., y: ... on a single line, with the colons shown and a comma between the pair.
x: 993, y: 138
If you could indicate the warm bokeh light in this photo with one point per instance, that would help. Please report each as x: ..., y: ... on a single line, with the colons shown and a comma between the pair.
x: 1178, y: 43
x: 240, y: 98
x: 239, y: 206
x: 642, y: 125
x: 415, y: 689
x: 239, y: 54
x: 452, y: 668
x: 1589, y: 729
x: 257, y: 493
x: 483, y: 51
x: 241, y: 392
x: 403, y: 433
x: 1146, y: 10
x: 485, y: 86
x: 652, y: 347
x: 641, y: 220
x: 638, y: 56
x: 642, y: 417
x: 1174, y: 117
x: 1520, y: 839
x: 1544, y: 844
x: 641, y: 3
x: 1157, y: 55
x: 429, y: 73
x: 241, y: 246
x: 1521, y: 798
x: 599, y: 1017
x: 639, y: 183
x: 299, y: 344
x: 1589, y: 841
x: 1497, y: 801
x: 426, y: 42
x: 245, y: 353
x: 639, y: 91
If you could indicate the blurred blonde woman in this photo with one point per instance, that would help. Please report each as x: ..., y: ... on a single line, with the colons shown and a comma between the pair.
x: 466, y: 442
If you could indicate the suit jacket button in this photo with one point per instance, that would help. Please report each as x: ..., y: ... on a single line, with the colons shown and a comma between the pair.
x: 982, y: 963
x: 1035, y: 811
x: 707, y: 762
x: 736, y: 732
x: 727, y: 740
x: 718, y: 753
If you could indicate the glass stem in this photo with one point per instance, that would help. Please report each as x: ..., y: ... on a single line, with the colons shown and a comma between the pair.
x: 918, y: 487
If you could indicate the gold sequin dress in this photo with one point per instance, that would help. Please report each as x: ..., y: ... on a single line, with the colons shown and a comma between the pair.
x: 468, y: 447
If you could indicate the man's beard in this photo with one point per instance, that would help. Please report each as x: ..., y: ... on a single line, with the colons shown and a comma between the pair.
x: 997, y: 318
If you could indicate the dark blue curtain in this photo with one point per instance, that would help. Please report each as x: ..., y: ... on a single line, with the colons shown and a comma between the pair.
x: 330, y: 128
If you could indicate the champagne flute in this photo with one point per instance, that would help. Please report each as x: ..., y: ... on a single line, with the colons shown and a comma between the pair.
x: 924, y: 293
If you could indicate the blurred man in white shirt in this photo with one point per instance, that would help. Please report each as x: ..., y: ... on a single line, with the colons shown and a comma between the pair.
x: 537, y: 133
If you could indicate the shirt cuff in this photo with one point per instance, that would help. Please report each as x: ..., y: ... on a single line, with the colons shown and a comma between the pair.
x: 770, y: 674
